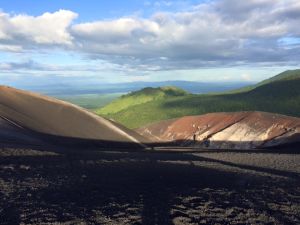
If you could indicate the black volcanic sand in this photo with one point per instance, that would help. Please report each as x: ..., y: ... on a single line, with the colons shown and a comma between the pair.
x: 93, y: 187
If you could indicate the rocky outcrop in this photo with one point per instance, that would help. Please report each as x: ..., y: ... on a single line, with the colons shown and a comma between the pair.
x: 239, y: 130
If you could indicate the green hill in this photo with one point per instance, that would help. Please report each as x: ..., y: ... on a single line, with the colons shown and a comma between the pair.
x: 286, y: 75
x: 280, y: 94
x: 139, y: 97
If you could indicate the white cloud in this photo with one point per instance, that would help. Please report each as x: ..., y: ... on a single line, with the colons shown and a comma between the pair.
x: 212, y: 34
x: 47, y: 29
x: 246, y: 77
x: 10, y: 48
x: 79, y: 69
x: 162, y: 3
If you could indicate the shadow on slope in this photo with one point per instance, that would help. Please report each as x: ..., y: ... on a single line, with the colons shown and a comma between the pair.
x: 16, y: 136
x: 141, y: 188
x: 30, y: 111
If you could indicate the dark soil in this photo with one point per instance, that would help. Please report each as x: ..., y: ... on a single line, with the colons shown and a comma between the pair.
x: 96, y: 187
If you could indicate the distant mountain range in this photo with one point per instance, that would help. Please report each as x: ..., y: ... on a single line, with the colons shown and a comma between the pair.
x: 279, y: 94
x: 59, y: 89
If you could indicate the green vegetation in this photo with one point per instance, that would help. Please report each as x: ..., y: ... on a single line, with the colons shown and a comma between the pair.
x: 139, y: 97
x: 90, y: 101
x: 287, y: 75
x: 280, y: 94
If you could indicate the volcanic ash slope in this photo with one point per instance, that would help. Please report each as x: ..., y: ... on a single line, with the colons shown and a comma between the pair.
x: 50, y: 116
x: 238, y: 130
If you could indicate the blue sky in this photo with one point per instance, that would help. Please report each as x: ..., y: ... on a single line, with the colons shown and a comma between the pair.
x: 96, y: 9
x: 121, y: 41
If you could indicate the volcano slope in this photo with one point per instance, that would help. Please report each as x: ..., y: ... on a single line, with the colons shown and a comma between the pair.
x: 239, y: 130
x: 31, y: 115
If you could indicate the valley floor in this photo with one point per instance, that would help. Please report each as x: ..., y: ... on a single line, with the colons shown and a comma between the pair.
x: 96, y: 187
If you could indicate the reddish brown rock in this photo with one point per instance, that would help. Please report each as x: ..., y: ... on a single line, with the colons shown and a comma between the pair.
x: 239, y: 130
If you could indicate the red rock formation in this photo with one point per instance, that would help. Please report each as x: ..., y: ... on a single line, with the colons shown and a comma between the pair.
x: 240, y: 130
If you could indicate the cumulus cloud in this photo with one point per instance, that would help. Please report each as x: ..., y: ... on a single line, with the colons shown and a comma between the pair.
x: 211, y: 34
x: 24, y: 31
x: 11, y: 66
x: 80, y: 69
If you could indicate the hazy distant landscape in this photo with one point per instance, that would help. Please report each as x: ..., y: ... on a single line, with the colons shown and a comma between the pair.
x: 90, y: 101
x: 92, y: 96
